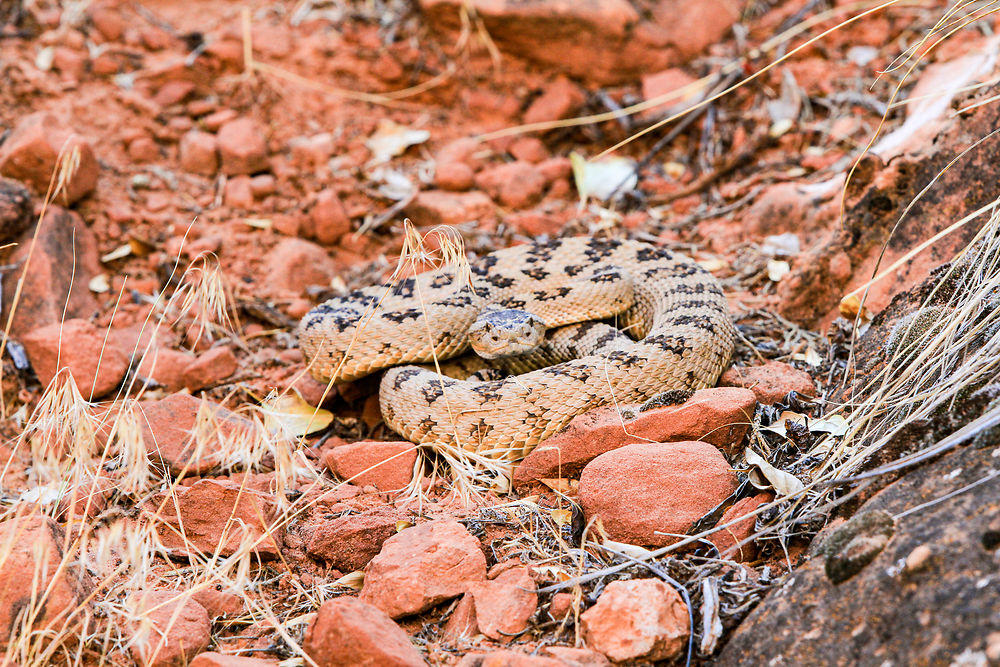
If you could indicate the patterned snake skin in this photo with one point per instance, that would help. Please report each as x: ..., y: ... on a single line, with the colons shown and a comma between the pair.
x: 679, y: 319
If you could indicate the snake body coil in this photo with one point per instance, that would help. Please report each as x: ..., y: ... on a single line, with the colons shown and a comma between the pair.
x: 679, y: 318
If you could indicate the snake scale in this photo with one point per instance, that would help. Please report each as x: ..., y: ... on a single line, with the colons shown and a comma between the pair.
x: 681, y: 337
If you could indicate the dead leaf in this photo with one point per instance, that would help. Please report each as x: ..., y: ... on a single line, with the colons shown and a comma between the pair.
x: 99, y: 284
x: 562, y: 517
x: 811, y: 356
x: 391, y: 139
x: 290, y: 416
x: 354, y: 580
x: 402, y: 525
x: 850, y: 307
x: 602, y: 179
x: 777, y: 269
x: 767, y: 476
x: 711, y: 624
x: 260, y: 223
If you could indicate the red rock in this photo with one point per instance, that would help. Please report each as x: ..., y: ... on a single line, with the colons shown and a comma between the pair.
x: 214, y: 121
x: 33, y: 560
x: 97, y: 365
x: 461, y: 625
x: 435, y: 207
x: 262, y: 185
x: 295, y: 264
x: 216, y: 516
x: 242, y: 149
x: 666, y: 83
x: 31, y: 152
x: 423, y: 566
x: 726, y: 539
x: 515, y: 184
x: 349, y: 542
x: 218, y: 602
x: 173, y: 92
x: 507, y: 658
x: 465, y: 150
x: 108, y: 22
x: 85, y: 499
x: 770, y: 382
x: 559, y: 100
x: 144, y: 149
x: 347, y: 631
x: 670, y: 486
x: 455, y: 176
x: 577, y: 657
x: 329, y: 218
x: 719, y: 416
x: 238, y: 193
x: 311, y: 151
x: 386, y: 465
x: 199, y: 153
x: 154, y: 38
x: 641, y: 619
x: 528, y: 149
x: 562, y: 605
x: 70, y: 62
x: 169, y: 428
x: 213, y: 659
x: 504, y: 605
x: 211, y: 367
x: 178, y: 629
x: 555, y: 168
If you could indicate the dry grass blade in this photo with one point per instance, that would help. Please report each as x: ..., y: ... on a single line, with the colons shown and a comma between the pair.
x: 203, y: 301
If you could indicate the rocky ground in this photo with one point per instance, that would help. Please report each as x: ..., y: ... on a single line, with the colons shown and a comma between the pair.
x: 182, y: 182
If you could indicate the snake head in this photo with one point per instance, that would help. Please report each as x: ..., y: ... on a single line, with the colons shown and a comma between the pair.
x: 501, y: 333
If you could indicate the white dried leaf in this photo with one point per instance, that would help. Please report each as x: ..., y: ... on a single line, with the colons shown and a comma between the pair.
x: 99, y: 284
x: 781, y: 245
x: 764, y: 476
x: 777, y: 269
x: 711, y: 624
x: 355, y: 580
x: 45, y: 58
x: 391, y: 139
x: 602, y: 178
x: 121, y: 252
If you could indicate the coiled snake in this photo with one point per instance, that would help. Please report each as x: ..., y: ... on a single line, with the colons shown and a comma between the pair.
x: 673, y: 308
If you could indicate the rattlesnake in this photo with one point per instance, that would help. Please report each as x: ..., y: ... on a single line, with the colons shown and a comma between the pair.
x: 673, y: 307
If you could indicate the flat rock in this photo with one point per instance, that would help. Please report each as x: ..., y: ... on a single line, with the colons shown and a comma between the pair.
x: 31, y: 153
x: 170, y: 431
x: 199, y: 153
x: 770, y: 382
x: 95, y: 360
x: 330, y: 221
x: 602, y: 41
x: 641, y: 619
x: 348, y: 631
x: 349, y: 542
x: 63, y: 241
x: 33, y: 560
x: 212, y: 515
x: 423, y: 566
x: 210, y: 368
x: 719, y: 416
x: 500, y: 608
x: 926, y: 598
x: 179, y: 629
x: 388, y: 466
x: 669, y: 487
